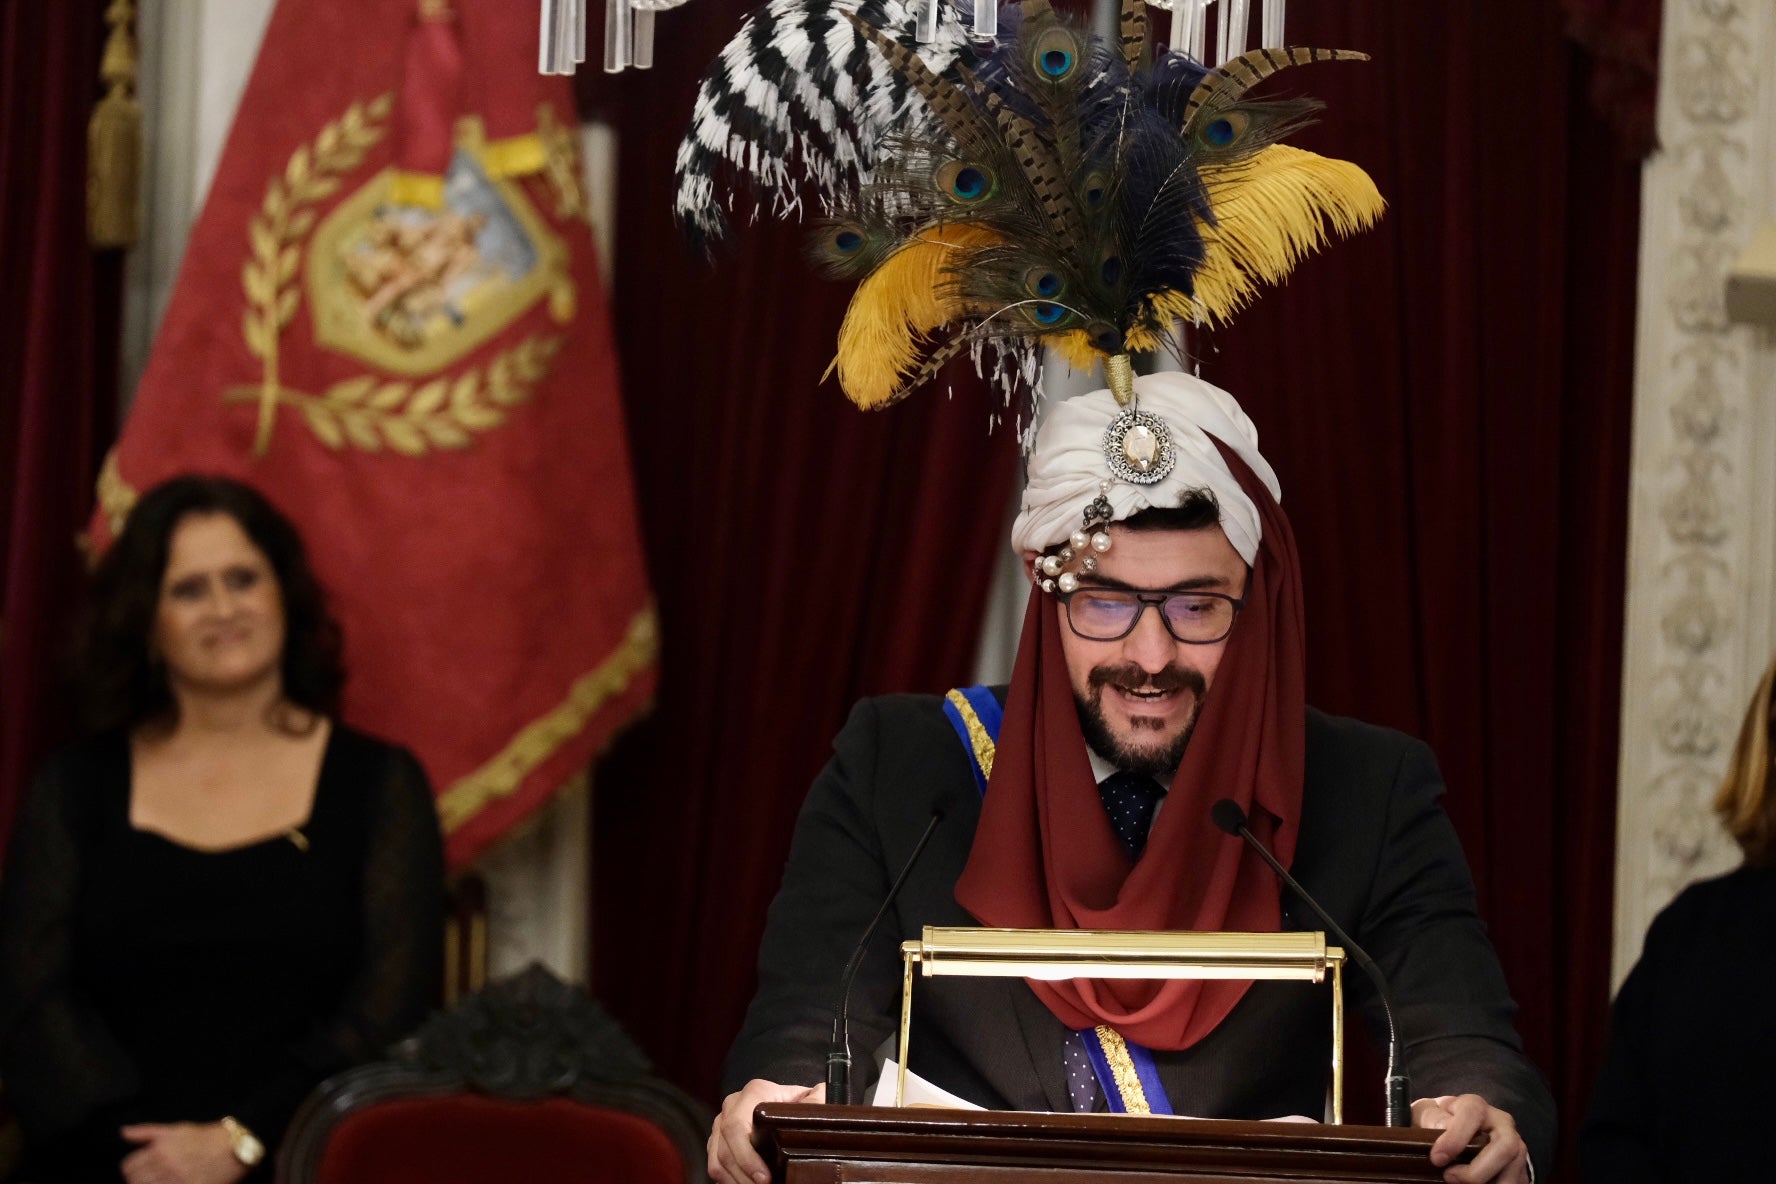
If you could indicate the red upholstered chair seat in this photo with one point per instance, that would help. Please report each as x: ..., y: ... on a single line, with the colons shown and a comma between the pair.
x: 468, y: 1139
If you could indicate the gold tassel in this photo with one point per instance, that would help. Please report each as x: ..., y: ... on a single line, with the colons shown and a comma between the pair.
x: 114, y: 140
x: 896, y: 308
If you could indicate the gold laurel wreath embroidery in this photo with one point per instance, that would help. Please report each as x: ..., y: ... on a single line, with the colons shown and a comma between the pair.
x: 363, y: 412
x: 284, y: 219
x: 443, y: 413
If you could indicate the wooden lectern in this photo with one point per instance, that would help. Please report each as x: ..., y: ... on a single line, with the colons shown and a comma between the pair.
x: 814, y: 1144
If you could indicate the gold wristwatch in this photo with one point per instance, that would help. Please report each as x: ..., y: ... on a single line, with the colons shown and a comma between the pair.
x: 247, y: 1147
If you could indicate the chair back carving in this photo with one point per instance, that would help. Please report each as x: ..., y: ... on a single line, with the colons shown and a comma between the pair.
x: 528, y: 1057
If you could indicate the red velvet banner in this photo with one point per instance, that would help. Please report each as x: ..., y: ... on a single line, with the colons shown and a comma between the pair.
x: 419, y: 369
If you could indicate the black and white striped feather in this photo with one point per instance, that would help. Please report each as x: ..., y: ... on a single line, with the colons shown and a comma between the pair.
x: 801, y: 102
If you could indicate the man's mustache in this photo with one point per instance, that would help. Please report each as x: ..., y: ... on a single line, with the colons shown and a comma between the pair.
x: 1130, y: 677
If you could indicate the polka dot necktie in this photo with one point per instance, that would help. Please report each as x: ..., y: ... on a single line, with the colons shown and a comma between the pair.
x: 1082, y: 1079
x: 1130, y: 800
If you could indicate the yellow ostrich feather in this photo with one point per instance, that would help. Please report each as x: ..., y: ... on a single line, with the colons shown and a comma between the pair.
x: 1271, y: 210
x: 897, y: 307
x: 1075, y: 348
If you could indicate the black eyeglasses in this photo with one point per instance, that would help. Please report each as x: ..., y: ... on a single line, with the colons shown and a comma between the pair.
x: 1110, y: 614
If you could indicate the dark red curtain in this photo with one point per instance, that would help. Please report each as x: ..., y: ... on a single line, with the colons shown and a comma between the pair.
x: 803, y: 554
x: 1622, y: 37
x: 1448, y: 402
x: 60, y: 311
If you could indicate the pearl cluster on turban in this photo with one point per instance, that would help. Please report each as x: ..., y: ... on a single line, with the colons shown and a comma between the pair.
x: 1068, y: 468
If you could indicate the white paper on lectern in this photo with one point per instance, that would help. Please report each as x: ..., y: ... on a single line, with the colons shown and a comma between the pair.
x: 919, y: 1092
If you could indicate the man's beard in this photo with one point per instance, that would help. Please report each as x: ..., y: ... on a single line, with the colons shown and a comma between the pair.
x: 1150, y: 761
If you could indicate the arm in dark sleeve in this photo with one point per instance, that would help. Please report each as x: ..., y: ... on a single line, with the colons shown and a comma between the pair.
x: 1424, y: 931
x: 402, y: 959
x: 62, y: 1066
x: 1617, y: 1143
x: 832, y: 885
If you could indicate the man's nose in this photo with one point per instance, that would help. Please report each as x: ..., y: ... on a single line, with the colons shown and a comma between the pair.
x: 1150, y: 645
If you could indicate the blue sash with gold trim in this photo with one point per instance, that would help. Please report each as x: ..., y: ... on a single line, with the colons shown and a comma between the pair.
x: 1125, y: 1070
x: 977, y: 718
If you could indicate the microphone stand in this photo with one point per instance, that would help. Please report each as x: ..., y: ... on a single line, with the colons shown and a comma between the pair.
x: 838, y: 1055
x: 1231, y: 819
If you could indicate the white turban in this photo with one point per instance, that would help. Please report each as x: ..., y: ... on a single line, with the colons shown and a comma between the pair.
x: 1067, y: 464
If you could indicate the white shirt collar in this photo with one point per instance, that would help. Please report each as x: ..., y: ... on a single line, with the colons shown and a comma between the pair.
x: 1102, y: 768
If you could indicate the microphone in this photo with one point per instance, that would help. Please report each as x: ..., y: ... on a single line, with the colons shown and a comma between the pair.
x: 1230, y: 818
x: 838, y: 1055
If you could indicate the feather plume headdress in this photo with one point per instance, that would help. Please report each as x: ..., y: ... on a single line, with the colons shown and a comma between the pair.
x: 1046, y: 187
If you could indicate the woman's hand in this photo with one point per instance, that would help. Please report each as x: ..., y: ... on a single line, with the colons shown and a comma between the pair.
x: 181, y: 1153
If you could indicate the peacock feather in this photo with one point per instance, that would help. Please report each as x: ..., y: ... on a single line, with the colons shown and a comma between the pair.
x: 1046, y: 187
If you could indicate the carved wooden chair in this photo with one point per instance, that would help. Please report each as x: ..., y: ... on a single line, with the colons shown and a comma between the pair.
x: 527, y: 1079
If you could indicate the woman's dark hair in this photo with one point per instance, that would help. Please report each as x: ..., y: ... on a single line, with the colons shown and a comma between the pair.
x: 120, y: 685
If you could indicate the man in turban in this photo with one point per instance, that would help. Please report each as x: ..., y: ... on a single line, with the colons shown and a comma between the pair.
x: 1089, y: 807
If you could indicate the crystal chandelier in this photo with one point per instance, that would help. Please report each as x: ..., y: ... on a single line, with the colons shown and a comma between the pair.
x: 629, y: 29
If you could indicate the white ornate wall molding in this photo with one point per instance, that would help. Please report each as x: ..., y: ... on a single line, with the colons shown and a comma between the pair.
x: 539, y: 885
x: 1700, y: 621
x: 196, y: 55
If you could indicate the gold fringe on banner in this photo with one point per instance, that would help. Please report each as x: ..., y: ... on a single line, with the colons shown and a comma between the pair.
x: 114, y: 140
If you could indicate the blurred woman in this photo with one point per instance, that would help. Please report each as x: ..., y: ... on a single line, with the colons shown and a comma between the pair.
x: 1687, y: 1090
x: 223, y: 895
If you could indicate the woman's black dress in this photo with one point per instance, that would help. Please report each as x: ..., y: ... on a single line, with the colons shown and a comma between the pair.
x: 1686, y: 1093
x: 145, y: 981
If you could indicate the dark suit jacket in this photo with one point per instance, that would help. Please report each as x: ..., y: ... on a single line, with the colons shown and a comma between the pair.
x: 1375, y: 848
